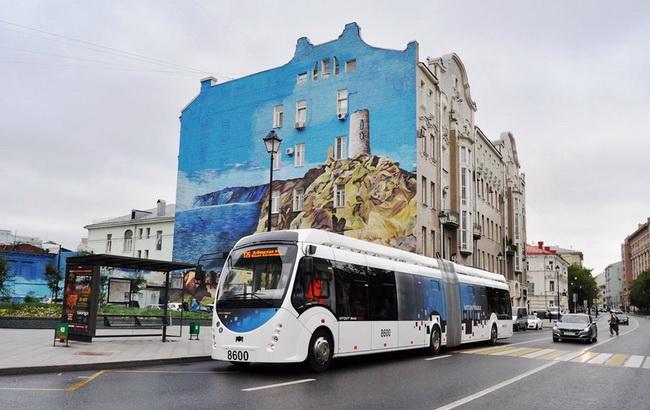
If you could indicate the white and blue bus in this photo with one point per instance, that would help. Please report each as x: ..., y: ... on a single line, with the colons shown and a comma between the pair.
x: 309, y: 296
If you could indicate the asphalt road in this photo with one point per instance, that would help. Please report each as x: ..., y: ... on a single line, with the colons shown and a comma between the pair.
x: 527, y: 371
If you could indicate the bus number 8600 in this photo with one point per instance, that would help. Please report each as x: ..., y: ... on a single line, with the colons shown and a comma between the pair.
x: 237, y: 355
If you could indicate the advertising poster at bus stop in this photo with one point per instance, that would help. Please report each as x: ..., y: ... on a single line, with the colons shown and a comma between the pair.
x: 80, y: 301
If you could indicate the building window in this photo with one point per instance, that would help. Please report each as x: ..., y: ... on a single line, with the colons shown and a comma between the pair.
x: 339, y: 196
x: 314, y: 72
x: 350, y: 65
x: 433, y: 195
x: 278, y: 112
x: 463, y: 225
x: 148, y: 233
x: 339, y: 148
x: 424, y: 240
x: 325, y: 67
x: 277, y: 160
x: 342, y: 103
x: 109, y: 242
x: 463, y: 186
x: 301, y: 113
x: 463, y: 155
x: 159, y: 240
x: 423, y: 138
x: 551, y: 286
x: 423, y: 189
x: 128, y: 241
x: 146, y: 253
x: 336, y: 66
x: 302, y: 78
x: 433, y: 243
x: 298, y: 198
x: 275, y: 202
x: 140, y: 233
x: 432, y: 145
x: 139, y: 253
x: 299, y: 155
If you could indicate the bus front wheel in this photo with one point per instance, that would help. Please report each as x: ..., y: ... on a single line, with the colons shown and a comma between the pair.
x: 435, y: 344
x: 319, y: 356
x: 493, y: 335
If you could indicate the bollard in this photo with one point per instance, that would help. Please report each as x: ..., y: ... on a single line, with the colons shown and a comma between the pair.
x: 195, y: 328
x: 61, y: 333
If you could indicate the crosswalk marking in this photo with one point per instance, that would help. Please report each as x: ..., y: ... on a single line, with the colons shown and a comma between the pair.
x: 522, y: 352
x: 585, y: 357
x: 569, y: 356
x: 646, y: 365
x: 508, y: 352
x: 616, y: 360
x: 634, y: 361
x: 553, y: 355
x: 537, y: 354
x: 600, y: 359
x: 492, y: 350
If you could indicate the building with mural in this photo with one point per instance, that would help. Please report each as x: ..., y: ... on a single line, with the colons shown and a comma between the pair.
x: 376, y: 145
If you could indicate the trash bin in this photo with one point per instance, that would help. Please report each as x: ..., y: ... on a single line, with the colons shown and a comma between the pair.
x: 195, y: 328
x: 61, y: 333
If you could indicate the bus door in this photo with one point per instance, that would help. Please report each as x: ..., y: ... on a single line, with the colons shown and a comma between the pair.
x: 352, y: 307
x: 383, y: 309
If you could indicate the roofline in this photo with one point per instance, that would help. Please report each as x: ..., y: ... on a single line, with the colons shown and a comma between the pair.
x: 130, y: 222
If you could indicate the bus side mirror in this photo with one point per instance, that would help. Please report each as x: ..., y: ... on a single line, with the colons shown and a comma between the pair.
x: 308, y: 264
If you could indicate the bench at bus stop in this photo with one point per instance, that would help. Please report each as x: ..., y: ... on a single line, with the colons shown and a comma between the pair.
x: 133, y: 321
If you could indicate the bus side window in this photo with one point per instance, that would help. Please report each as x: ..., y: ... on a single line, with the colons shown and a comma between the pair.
x: 383, y: 296
x: 351, y: 291
x: 313, y: 288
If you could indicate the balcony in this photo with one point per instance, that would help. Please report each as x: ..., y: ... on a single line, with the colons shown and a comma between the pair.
x: 511, y: 249
x: 450, y: 219
x: 478, y: 231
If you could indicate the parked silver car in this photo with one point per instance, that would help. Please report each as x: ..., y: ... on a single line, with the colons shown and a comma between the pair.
x: 519, y: 318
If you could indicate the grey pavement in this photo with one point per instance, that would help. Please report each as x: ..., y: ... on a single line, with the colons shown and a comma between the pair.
x: 29, y: 350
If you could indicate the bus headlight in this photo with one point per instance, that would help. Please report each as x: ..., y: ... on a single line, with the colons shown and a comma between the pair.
x: 270, y: 347
x: 275, y: 338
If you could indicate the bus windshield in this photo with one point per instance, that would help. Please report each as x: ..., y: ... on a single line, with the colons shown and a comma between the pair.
x: 256, y: 276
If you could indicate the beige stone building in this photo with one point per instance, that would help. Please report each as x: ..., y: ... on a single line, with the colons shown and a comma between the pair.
x: 570, y: 255
x: 636, y: 257
x: 471, y: 191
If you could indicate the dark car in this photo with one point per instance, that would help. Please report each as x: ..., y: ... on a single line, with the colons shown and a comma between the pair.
x: 623, y: 319
x: 575, y: 326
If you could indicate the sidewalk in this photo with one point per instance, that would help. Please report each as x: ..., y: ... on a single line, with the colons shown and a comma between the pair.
x: 31, y: 350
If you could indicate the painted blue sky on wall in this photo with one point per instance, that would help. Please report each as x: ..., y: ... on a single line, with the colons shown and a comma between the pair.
x: 222, y: 129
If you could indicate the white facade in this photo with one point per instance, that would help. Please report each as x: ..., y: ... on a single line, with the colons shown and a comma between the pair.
x: 9, y: 238
x: 147, y: 234
x: 547, y: 274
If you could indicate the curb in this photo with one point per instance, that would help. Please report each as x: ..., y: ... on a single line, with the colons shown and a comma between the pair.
x: 100, y: 366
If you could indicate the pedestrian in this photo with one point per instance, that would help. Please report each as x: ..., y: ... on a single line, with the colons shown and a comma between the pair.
x: 613, y: 324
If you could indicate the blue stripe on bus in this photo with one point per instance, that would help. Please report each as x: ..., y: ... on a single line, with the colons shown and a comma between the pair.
x: 245, y: 319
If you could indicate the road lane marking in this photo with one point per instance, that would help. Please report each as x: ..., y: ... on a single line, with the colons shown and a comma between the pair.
x: 585, y: 357
x: 616, y: 360
x: 634, y: 361
x: 84, y: 382
x: 438, y: 357
x: 600, y: 359
x: 523, y: 351
x: 538, y: 353
x: 29, y: 389
x: 271, y: 386
x: 646, y: 365
x: 529, y: 341
x: 496, y: 387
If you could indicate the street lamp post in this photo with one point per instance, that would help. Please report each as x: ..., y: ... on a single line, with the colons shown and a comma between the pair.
x: 272, y: 142
x: 557, y: 272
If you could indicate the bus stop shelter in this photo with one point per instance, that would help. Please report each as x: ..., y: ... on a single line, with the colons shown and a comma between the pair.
x: 82, y: 289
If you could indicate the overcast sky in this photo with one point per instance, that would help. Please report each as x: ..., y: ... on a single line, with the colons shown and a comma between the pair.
x: 90, y: 132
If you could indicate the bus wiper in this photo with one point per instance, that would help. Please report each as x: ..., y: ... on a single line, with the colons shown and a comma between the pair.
x: 243, y: 295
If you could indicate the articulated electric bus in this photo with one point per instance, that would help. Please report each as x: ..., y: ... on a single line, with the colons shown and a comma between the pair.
x: 309, y: 296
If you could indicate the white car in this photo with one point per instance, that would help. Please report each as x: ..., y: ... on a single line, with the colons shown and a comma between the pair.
x: 535, y: 323
x: 175, y: 306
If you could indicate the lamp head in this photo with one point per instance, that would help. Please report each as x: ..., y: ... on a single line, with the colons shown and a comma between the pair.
x: 272, y: 142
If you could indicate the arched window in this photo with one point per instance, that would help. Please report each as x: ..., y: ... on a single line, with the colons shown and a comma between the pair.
x: 128, y: 240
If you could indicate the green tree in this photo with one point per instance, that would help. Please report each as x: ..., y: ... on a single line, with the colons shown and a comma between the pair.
x: 640, y: 291
x: 583, y: 284
x: 54, y: 278
x: 137, y: 284
x: 5, y: 275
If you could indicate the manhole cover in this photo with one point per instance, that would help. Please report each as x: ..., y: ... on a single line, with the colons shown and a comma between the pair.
x: 94, y: 353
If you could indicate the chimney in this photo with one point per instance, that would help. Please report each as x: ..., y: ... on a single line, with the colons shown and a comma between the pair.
x: 161, y: 207
x: 547, y: 248
x: 540, y: 244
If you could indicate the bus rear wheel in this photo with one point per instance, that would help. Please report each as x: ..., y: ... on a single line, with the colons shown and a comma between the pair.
x: 319, y: 356
x: 435, y: 345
